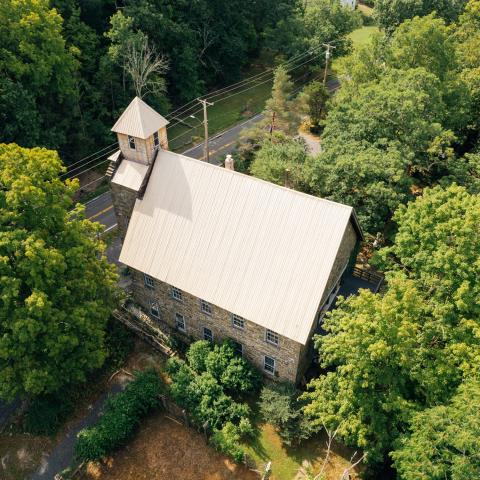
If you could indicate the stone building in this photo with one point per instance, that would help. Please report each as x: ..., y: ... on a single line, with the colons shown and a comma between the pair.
x: 217, y: 254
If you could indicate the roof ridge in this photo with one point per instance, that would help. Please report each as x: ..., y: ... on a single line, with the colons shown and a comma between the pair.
x: 251, y: 177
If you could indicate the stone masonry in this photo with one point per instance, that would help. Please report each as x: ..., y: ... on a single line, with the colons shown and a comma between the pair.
x: 291, y: 358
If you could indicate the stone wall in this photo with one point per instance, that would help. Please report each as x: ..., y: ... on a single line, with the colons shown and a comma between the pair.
x: 123, y: 200
x: 292, y: 358
x: 349, y: 240
x: 252, y: 337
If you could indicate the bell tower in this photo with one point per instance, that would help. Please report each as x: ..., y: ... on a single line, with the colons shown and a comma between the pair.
x: 141, y: 131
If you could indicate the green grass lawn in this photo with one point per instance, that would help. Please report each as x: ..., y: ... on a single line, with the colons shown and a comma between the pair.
x: 286, y: 461
x: 362, y: 35
x: 249, y: 100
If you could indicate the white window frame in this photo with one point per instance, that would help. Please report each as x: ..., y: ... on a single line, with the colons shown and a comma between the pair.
x: 210, y: 337
x: 132, y: 141
x: 179, y: 321
x: 148, y: 281
x: 205, y: 307
x: 153, y: 304
x: 156, y: 140
x: 268, y: 369
x: 177, y: 294
x: 272, y: 337
x: 238, y: 321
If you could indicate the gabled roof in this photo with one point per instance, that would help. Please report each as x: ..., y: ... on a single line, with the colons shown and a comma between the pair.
x: 139, y: 120
x: 253, y: 248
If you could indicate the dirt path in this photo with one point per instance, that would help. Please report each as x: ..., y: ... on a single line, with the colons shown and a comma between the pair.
x: 165, y: 450
x: 61, y: 456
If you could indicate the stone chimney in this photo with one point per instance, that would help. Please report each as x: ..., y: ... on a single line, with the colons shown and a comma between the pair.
x: 229, y: 162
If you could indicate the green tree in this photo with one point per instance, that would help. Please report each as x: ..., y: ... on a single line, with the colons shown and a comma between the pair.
x: 278, y: 158
x: 372, y: 180
x: 444, y: 441
x: 280, y: 107
x: 391, y: 13
x: 39, y: 71
x: 314, y: 98
x: 280, y: 406
x: 57, y: 289
x: 403, y: 109
x: 408, y: 349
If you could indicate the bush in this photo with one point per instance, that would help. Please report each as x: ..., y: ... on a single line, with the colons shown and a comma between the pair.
x: 280, y: 406
x: 226, y: 441
x: 46, y: 414
x: 118, y: 342
x: 122, y: 414
x: 197, y: 354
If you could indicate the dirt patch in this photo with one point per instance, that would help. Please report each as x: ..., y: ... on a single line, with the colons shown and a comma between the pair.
x: 20, y: 455
x: 165, y: 450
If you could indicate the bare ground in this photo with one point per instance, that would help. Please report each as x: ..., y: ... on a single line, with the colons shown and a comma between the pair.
x: 166, y: 450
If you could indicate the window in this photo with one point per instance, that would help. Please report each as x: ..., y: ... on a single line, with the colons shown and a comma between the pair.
x: 205, y: 307
x: 269, y: 365
x: 149, y: 281
x: 207, y: 334
x: 131, y: 142
x: 238, y: 322
x: 177, y: 294
x: 180, y: 322
x: 156, y: 140
x: 271, y: 337
x: 238, y: 348
x: 154, y: 309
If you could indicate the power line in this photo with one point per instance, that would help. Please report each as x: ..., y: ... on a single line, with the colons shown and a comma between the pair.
x: 292, y: 68
x: 89, y: 162
x: 91, y: 155
x: 241, y: 83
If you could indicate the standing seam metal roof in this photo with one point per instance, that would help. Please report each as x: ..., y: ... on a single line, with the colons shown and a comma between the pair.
x: 253, y: 248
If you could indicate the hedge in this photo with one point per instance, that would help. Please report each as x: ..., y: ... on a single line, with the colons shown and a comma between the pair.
x: 121, y: 416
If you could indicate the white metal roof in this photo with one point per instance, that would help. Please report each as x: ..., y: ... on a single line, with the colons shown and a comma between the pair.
x: 130, y: 174
x: 139, y: 120
x: 253, y: 248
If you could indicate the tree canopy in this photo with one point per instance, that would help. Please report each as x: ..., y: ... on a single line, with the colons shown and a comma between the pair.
x: 398, y: 353
x: 444, y: 441
x: 57, y: 289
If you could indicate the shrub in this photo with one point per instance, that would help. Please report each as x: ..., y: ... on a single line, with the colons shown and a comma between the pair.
x: 226, y: 441
x: 46, y: 414
x: 197, y: 354
x: 118, y: 342
x: 280, y: 406
x: 122, y: 414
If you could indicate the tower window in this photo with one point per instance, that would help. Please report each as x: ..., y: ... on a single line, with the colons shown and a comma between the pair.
x: 149, y: 281
x: 177, y: 294
x: 131, y: 142
x: 156, y: 140
x: 154, y: 310
x: 238, y: 321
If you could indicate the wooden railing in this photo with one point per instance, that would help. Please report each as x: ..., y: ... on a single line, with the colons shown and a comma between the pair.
x: 369, y: 276
x: 133, y: 318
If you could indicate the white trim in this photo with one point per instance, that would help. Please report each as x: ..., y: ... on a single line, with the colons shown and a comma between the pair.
x: 265, y: 363
x: 205, y: 337
x: 273, y: 334
x: 208, y: 310
x: 180, y: 329
x: 238, y: 318
x: 147, y: 279
x: 152, y: 304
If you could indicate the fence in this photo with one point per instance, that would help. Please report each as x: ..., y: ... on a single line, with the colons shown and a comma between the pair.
x: 369, y: 276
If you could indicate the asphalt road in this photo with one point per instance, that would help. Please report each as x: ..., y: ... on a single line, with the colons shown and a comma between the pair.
x: 100, y: 209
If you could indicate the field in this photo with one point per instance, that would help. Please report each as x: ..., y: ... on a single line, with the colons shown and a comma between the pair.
x: 361, y: 36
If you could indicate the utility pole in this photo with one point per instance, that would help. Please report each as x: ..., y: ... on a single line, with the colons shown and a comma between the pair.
x: 327, y: 58
x: 206, y: 153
